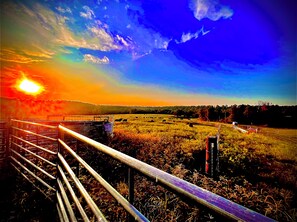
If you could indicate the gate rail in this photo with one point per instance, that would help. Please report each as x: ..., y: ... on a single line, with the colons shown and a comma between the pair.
x: 67, y: 181
x: 31, y: 160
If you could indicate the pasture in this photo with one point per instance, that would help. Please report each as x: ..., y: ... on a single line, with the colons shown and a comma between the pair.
x: 256, y: 170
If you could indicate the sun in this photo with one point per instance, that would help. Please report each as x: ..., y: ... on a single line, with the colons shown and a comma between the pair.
x: 30, y: 87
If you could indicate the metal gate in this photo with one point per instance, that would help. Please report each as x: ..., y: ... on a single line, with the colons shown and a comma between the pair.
x: 40, y: 153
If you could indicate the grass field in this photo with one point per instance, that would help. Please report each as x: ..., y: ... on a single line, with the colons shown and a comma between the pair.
x: 256, y: 170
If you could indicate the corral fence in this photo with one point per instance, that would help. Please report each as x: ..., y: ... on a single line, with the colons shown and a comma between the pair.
x: 107, y: 118
x: 40, y: 153
x: 3, y: 143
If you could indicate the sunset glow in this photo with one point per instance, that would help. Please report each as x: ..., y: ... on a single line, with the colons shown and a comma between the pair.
x: 150, y: 52
x: 30, y: 87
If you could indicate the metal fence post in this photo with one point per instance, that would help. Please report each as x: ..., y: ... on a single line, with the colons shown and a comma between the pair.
x: 131, y: 189
x: 211, y: 156
x: 37, y: 137
x: 61, y: 137
x: 131, y: 184
x: 77, y: 163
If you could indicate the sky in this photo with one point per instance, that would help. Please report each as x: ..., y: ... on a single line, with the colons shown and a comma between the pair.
x: 161, y: 52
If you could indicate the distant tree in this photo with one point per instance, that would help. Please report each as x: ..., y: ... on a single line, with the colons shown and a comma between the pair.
x: 210, y: 113
x: 233, y: 114
x: 190, y: 114
x: 249, y: 113
x: 203, y: 115
x: 179, y: 113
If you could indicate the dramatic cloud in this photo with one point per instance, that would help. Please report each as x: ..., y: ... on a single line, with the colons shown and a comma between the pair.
x: 123, y: 23
x: 94, y: 59
x: 210, y: 9
x: 56, y: 33
x: 18, y: 57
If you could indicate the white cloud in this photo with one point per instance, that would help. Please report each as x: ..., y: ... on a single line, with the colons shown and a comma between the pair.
x: 63, y: 10
x: 106, y: 41
x: 210, y: 9
x: 188, y: 36
x: 136, y: 55
x: 88, y: 14
x: 94, y: 59
x: 122, y: 40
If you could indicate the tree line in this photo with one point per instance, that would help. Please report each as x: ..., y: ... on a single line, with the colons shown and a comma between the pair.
x: 264, y: 113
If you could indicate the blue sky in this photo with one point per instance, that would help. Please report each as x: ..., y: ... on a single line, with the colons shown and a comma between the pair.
x: 154, y: 52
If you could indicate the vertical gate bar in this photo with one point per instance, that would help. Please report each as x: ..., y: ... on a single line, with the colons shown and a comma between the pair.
x: 131, y: 184
x: 131, y: 189
x: 77, y: 163
x: 37, y: 137
x: 17, y: 133
x: 61, y: 137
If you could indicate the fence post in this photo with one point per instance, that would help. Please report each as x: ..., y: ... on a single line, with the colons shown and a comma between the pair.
x: 131, y: 189
x: 77, y: 163
x: 61, y: 137
x: 211, y: 156
x: 131, y: 186
x: 37, y: 137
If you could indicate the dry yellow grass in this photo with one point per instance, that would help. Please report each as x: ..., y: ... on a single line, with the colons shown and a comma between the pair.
x: 257, y: 170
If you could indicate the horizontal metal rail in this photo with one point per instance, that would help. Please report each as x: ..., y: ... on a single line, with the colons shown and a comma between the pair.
x: 127, y: 206
x: 206, y: 198
x: 33, y: 123
x: 32, y: 174
x: 98, y: 214
x: 35, y: 134
x: 59, y: 212
x: 66, y: 201
x: 34, y: 165
x: 34, y: 154
x: 34, y: 145
x: 30, y: 181
x: 74, y: 197
x: 61, y: 206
